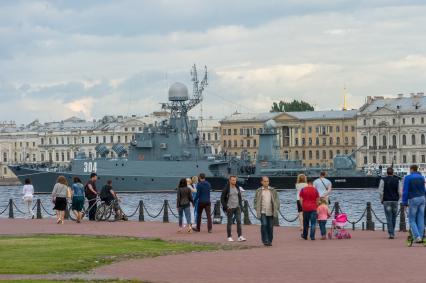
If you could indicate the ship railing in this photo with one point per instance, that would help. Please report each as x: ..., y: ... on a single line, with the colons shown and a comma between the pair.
x: 365, y: 218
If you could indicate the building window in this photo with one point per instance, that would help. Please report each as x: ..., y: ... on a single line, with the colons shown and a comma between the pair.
x: 331, y: 140
x: 393, y: 121
x: 364, y: 141
x: 209, y: 136
x: 346, y: 140
x: 384, y: 140
x: 126, y: 129
x: 374, y: 141
x: 57, y: 156
x: 338, y: 140
x: 353, y: 140
x: 310, y: 141
x: 309, y: 130
x: 241, y: 143
x: 303, y: 154
x: 111, y: 139
x: 404, y: 159
x: 310, y: 154
x: 42, y: 141
x: 317, y: 130
x: 119, y: 139
x: 317, y: 141
x: 374, y: 159
x: 297, y: 154
x: 97, y: 139
x: 42, y: 157
x: 303, y: 141
x: 90, y: 139
x: 104, y: 139
x: 254, y: 143
x: 82, y: 139
x: 224, y: 132
x: 248, y: 143
x: 235, y: 132
x: 317, y: 155
x: 374, y: 121
x: 422, y: 120
x: 296, y: 141
x: 324, y: 141
x: 423, y: 158
x: 68, y: 156
x: 229, y: 132
x: 241, y: 131
x: 330, y: 153
x: 224, y: 143
x: 324, y: 154
x: 4, y: 156
x: 338, y: 152
x: 215, y: 136
x: 235, y: 143
x: 63, y: 156
x: 303, y: 130
x: 346, y: 128
x: 365, y: 122
x: 365, y: 159
x: 296, y: 130
x: 413, y: 139
x: 413, y: 121
x: 352, y: 128
x: 62, y: 140
x: 403, y: 121
x: 422, y: 139
x: 330, y: 129
x: 413, y: 158
x: 383, y: 159
x: 56, y: 139
x: 394, y: 140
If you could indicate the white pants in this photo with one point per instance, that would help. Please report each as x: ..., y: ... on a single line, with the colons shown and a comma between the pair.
x: 29, y: 206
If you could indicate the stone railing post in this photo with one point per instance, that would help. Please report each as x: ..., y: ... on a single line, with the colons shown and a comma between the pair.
x: 246, y: 213
x: 11, y: 208
x: 166, y: 211
x: 141, y: 215
x: 370, y: 223
x: 39, y: 209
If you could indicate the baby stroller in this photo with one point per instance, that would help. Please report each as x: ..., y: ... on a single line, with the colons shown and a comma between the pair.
x: 337, y: 229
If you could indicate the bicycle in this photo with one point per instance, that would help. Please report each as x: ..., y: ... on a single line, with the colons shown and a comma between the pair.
x: 107, y: 212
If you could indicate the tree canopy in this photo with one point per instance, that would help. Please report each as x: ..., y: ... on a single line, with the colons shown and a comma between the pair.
x: 293, y: 106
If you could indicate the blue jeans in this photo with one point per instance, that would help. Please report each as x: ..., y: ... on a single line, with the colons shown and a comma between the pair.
x: 391, y: 210
x: 266, y: 228
x: 187, y: 212
x: 322, y: 227
x: 309, y: 217
x: 416, y: 216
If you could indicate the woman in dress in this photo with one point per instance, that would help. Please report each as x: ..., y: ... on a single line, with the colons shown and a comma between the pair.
x: 59, y: 198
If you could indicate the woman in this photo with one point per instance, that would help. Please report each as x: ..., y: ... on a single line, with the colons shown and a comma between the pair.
x: 28, y: 191
x: 194, y: 182
x: 300, y: 184
x: 77, y: 198
x: 183, y: 203
x: 59, y: 198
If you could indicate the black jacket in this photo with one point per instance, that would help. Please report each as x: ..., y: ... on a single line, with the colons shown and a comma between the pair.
x: 225, y: 197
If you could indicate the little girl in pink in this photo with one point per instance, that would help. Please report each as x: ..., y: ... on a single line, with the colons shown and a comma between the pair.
x: 323, y: 214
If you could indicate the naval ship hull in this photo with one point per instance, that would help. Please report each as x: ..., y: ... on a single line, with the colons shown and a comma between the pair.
x: 43, y: 181
x: 288, y: 182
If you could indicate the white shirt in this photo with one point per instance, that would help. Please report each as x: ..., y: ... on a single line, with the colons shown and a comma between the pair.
x: 299, y: 187
x: 322, y: 185
x: 28, y: 190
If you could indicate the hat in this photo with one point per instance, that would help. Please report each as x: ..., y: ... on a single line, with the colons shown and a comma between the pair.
x: 93, y: 175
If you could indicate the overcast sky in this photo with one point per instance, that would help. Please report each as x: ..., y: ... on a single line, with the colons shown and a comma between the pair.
x: 93, y: 58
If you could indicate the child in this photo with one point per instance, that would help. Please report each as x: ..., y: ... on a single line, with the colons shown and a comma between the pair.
x: 323, y: 214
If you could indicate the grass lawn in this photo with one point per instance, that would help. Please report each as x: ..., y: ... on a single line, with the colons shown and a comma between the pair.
x: 43, y: 254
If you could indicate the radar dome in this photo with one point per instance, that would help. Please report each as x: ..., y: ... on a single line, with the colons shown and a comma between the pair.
x: 178, y: 92
x: 270, y: 124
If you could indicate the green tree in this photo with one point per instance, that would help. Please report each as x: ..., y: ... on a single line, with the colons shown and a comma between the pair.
x: 293, y: 106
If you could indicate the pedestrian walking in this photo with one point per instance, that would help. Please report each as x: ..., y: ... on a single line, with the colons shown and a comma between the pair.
x: 232, y: 204
x: 309, y: 197
x: 390, y: 193
x: 323, y: 213
x: 204, y: 203
x: 59, y: 197
x: 91, y: 194
x: 267, y: 204
x: 413, y: 195
x: 300, y: 184
x: 28, y: 191
x: 183, y: 203
x: 77, y: 205
x: 323, y: 186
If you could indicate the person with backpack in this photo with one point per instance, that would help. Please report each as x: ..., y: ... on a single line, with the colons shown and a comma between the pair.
x: 91, y: 194
x: 231, y: 201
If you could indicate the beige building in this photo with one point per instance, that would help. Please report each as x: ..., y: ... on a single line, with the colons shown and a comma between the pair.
x: 314, y: 137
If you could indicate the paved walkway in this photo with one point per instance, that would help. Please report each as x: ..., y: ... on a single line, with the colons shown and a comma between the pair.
x: 367, y: 257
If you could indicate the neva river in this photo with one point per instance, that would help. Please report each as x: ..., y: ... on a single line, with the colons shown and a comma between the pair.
x: 352, y: 202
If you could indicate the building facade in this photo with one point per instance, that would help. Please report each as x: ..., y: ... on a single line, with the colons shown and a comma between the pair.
x: 392, y: 130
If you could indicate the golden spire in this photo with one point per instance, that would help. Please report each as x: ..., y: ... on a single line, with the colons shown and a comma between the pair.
x: 344, y: 98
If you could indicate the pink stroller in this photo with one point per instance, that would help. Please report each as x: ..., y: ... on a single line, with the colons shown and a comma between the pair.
x: 337, y: 229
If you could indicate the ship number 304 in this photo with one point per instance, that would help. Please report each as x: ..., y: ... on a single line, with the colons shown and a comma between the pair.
x: 89, y: 167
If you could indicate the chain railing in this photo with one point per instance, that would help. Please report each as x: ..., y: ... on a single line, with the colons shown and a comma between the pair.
x: 368, y: 214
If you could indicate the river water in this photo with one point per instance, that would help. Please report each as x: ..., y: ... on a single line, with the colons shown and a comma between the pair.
x: 353, y: 202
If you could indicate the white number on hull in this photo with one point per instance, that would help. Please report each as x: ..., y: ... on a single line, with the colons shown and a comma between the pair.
x: 89, y: 167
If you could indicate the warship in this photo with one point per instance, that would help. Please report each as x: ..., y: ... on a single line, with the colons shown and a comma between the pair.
x: 155, y: 160
x: 283, y: 172
x: 158, y: 157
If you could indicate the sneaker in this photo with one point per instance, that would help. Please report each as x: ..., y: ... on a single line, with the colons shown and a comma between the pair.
x: 210, y: 231
x: 419, y: 240
x: 195, y: 229
x: 241, y: 239
x: 230, y: 239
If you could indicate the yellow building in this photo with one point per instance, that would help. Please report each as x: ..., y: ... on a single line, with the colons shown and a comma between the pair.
x: 314, y: 137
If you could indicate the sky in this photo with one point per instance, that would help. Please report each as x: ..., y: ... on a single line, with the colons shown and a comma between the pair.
x: 93, y: 58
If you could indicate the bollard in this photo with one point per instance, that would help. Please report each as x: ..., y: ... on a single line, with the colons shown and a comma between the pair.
x: 402, y: 223
x: 383, y: 227
x: 11, y: 208
x: 67, y: 212
x: 141, y: 216
x: 39, y: 209
x: 369, y: 223
x: 353, y: 226
x: 336, y: 208
x: 246, y: 213
x: 363, y: 226
x: 166, y: 211
x: 217, y: 218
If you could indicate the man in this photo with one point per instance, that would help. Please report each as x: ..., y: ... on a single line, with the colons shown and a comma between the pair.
x: 309, y: 198
x: 413, y: 195
x: 203, y: 199
x: 267, y: 204
x: 390, y: 192
x: 323, y: 186
x: 91, y: 194
x: 232, y: 203
x: 110, y: 197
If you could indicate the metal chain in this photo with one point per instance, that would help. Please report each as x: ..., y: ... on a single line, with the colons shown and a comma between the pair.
x: 171, y: 211
x: 362, y: 216
x: 17, y: 208
x: 147, y: 212
x: 7, y: 206
x: 288, y: 220
x: 42, y: 206
x: 251, y: 210
x: 378, y: 219
x: 133, y: 214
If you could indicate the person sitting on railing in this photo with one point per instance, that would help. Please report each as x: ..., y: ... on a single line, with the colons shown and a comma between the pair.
x: 110, y: 198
